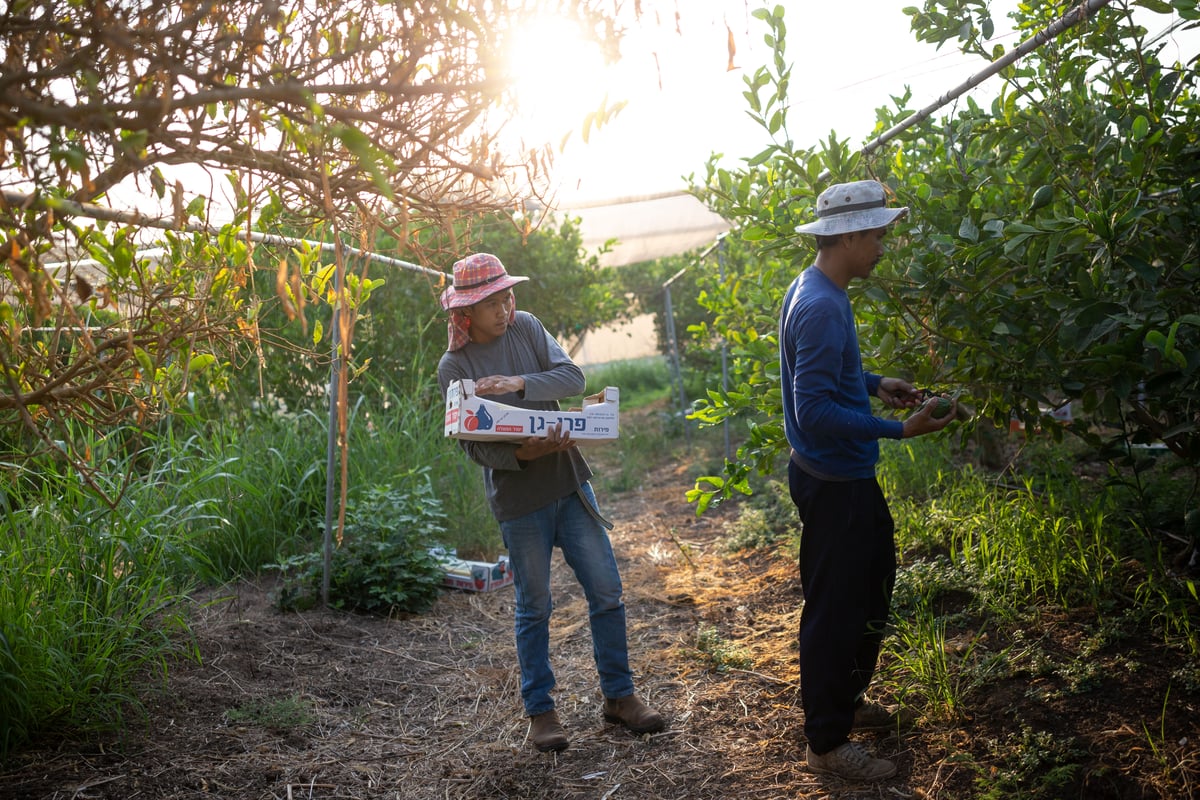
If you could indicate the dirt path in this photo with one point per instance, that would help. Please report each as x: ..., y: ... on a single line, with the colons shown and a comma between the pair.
x: 427, y: 708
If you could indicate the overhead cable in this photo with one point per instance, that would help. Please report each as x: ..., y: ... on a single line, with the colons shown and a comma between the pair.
x: 91, y: 211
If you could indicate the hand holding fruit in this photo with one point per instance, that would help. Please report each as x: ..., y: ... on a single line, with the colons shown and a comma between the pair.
x: 934, y: 414
x: 942, y: 407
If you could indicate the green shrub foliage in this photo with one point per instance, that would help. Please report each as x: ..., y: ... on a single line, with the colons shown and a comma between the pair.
x: 383, y: 564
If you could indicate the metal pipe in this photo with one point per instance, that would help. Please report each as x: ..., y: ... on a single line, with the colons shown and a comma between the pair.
x: 1072, y: 18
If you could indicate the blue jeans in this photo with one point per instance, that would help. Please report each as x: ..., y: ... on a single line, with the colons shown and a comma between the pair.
x: 531, y: 540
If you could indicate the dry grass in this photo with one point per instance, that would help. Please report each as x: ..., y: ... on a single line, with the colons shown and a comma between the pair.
x: 428, y: 708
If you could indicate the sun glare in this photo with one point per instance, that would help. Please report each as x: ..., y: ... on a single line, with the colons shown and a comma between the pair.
x: 559, y: 78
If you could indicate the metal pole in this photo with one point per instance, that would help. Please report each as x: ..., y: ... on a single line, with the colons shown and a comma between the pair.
x: 136, y: 218
x: 677, y: 374
x: 1076, y: 15
x: 331, y: 448
x: 671, y: 337
x: 724, y: 348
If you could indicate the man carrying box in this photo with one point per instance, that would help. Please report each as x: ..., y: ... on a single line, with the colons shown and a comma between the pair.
x: 538, y: 489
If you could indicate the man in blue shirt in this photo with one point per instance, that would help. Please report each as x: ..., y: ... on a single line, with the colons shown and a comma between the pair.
x: 847, y: 548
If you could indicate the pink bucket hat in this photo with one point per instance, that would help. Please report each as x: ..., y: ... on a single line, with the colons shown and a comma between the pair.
x: 476, y: 277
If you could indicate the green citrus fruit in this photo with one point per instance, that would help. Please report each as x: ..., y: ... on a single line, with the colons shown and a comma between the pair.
x: 1041, y: 197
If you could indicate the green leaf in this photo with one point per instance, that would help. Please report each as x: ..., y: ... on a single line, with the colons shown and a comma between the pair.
x: 201, y: 362
x: 762, y: 157
x: 1141, y: 127
x: 368, y: 157
x: 968, y: 230
x: 887, y: 344
x: 1157, y: 341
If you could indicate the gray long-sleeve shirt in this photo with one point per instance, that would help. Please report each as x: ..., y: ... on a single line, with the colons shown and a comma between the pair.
x: 527, y: 349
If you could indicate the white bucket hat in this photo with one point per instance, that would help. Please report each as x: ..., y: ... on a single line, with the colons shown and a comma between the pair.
x: 850, y: 207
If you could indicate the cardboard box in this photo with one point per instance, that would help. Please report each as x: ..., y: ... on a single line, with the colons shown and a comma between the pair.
x: 473, y: 576
x: 472, y: 417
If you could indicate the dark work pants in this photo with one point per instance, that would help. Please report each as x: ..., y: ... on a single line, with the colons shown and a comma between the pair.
x: 848, y: 570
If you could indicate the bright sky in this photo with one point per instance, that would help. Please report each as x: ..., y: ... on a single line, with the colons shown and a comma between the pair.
x: 683, y: 103
x: 848, y: 59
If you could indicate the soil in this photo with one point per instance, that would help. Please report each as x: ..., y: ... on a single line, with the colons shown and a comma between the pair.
x: 324, y: 704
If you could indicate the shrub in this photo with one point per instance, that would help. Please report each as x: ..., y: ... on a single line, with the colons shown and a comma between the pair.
x: 383, y: 563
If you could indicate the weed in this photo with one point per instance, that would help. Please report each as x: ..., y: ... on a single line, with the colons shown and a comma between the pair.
x: 279, y: 715
x: 1036, y: 765
x: 749, y: 531
x: 720, y: 653
x: 946, y: 671
x: 1188, y: 676
x: 769, y: 518
x: 88, y: 608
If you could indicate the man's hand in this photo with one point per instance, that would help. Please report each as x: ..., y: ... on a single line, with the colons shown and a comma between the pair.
x: 499, y: 384
x: 897, y: 393
x: 923, y: 421
x: 555, y: 441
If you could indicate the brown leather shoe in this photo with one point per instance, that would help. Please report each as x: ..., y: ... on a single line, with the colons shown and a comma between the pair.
x: 872, y: 716
x: 547, y: 734
x: 852, y: 762
x: 633, y: 714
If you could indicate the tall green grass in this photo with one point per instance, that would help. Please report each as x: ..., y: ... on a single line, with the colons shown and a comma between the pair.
x: 978, y: 547
x: 270, y: 470
x: 241, y: 495
x: 1051, y: 544
x: 93, y: 595
x: 88, y: 605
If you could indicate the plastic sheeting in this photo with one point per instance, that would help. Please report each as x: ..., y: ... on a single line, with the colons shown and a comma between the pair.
x: 646, y: 227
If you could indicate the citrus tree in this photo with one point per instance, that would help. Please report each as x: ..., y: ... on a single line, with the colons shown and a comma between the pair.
x: 1055, y: 262
x: 1048, y: 257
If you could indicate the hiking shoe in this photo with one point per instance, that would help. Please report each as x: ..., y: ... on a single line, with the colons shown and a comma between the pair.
x: 633, y: 714
x: 547, y: 734
x: 852, y: 762
x: 872, y: 716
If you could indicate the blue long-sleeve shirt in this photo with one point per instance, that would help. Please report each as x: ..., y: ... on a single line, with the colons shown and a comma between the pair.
x: 826, y: 392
